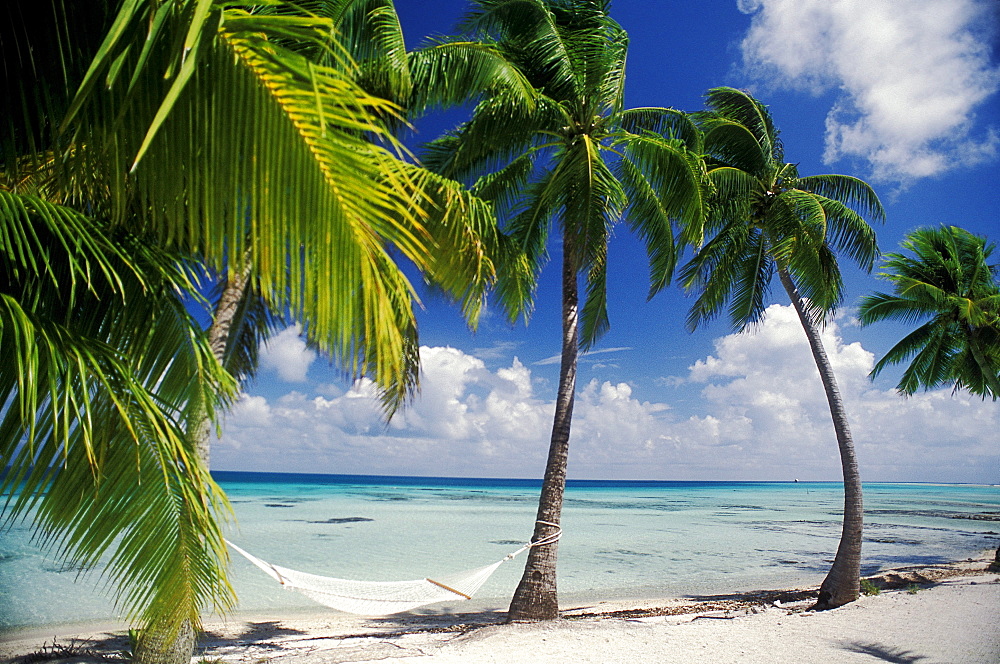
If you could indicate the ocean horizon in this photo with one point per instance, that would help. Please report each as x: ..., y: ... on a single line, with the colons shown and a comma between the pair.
x: 623, y: 539
x: 342, y: 478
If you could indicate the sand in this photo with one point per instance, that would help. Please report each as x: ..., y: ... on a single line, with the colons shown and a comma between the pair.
x: 938, y: 615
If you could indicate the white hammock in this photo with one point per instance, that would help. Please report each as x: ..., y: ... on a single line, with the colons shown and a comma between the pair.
x: 382, y: 598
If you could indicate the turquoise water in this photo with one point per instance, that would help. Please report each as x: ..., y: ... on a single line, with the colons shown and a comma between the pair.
x: 621, y: 540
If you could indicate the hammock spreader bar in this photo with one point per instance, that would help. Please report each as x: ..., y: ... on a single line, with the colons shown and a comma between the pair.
x: 382, y: 598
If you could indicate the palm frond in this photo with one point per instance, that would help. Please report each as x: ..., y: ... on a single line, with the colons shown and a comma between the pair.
x: 100, y: 385
x: 463, y: 238
x: 847, y: 231
x: 729, y: 143
x: 740, y: 107
x: 537, y: 43
x: 799, y: 243
x: 666, y: 122
x: 497, y: 134
x: 751, y: 280
x: 849, y: 191
x: 462, y: 72
x: 733, y: 192
x: 883, y: 306
x: 594, y: 321
x: 664, y: 183
x: 728, y: 258
x: 504, y: 188
x: 370, y: 31
x: 592, y: 198
x: 609, y: 78
x: 320, y: 178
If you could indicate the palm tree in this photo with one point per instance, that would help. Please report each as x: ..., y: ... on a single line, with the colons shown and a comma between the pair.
x: 766, y: 219
x: 578, y: 160
x: 948, y: 283
x: 297, y: 190
x: 102, y: 369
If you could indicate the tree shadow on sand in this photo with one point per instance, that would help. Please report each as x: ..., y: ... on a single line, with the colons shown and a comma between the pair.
x: 436, y: 621
x: 255, y: 633
x: 884, y: 653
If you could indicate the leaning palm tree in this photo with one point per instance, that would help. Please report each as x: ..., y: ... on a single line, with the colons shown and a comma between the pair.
x: 102, y: 369
x: 577, y: 161
x: 948, y: 283
x: 204, y: 125
x: 765, y: 218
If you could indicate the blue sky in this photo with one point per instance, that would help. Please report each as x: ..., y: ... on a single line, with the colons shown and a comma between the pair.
x: 903, y: 93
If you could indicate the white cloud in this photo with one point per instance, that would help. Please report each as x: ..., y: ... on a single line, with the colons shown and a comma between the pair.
x: 763, y: 396
x: 762, y: 415
x: 286, y: 353
x: 909, y: 75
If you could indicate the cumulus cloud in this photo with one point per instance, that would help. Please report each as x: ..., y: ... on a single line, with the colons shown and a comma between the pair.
x: 909, y: 75
x: 764, y: 400
x: 286, y: 353
x: 762, y: 415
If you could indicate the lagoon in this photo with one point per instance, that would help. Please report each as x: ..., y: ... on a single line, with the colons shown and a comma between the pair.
x: 622, y: 539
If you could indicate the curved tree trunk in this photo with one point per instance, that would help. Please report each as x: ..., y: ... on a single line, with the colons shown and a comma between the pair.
x: 843, y: 582
x: 993, y: 383
x: 154, y: 646
x: 536, y: 597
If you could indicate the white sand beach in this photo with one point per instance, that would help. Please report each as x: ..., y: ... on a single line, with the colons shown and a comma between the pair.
x: 938, y: 615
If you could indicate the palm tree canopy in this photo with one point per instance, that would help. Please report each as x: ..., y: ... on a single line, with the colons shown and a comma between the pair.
x: 947, y: 284
x: 330, y: 174
x: 764, y: 216
x: 575, y: 157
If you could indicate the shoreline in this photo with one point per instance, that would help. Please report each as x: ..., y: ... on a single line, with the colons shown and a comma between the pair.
x: 965, y: 590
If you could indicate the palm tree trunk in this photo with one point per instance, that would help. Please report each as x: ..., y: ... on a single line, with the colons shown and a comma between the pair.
x: 154, y: 646
x: 993, y: 383
x: 843, y: 582
x: 536, y: 597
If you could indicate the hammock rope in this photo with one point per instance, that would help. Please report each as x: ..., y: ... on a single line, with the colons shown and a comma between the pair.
x: 382, y: 598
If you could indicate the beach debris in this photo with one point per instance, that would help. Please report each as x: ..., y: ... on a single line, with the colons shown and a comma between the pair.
x: 76, y: 650
x: 727, y: 615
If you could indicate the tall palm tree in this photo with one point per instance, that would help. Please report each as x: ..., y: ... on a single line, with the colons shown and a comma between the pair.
x: 307, y: 188
x: 579, y: 161
x: 948, y: 284
x: 765, y: 218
